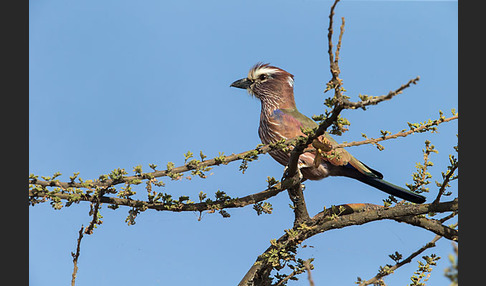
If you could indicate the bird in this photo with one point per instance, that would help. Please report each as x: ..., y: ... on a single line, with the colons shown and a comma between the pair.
x: 280, y: 119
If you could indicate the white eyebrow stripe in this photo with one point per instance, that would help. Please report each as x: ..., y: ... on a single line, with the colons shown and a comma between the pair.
x: 253, y: 74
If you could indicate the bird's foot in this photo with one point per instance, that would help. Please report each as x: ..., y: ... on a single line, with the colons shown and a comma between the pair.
x: 290, y: 181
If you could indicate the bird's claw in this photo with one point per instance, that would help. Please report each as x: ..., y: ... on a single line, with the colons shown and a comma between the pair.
x: 289, y: 181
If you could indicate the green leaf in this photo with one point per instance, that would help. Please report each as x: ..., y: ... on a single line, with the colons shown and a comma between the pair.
x: 137, y: 169
x: 202, y: 156
x: 188, y: 156
x: 153, y: 166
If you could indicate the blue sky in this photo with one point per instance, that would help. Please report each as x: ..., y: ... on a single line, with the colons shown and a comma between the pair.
x: 115, y: 84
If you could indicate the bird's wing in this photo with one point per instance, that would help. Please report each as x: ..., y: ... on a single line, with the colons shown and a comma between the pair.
x: 305, y: 121
x: 336, y: 157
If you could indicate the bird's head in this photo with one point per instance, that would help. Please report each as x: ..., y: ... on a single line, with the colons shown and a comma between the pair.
x: 269, y: 84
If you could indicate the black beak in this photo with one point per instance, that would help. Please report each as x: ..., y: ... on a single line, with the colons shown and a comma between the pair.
x: 243, y: 83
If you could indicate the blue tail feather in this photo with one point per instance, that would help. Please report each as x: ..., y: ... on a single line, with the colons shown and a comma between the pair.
x: 392, y: 189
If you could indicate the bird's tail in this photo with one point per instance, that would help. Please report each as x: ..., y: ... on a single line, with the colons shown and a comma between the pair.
x: 392, y: 189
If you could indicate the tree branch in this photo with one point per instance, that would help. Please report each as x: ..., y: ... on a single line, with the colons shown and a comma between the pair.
x: 390, y: 270
x: 76, y: 256
x: 330, y: 32
x: 95, y: 206
x: 353, y: 214
x: 261, y: 149
x: 446, y: 181
x: 423, y: 128
x: 296, y: 194
x: 432, y: 225
x: 377, y: 99
x: 203, y: 206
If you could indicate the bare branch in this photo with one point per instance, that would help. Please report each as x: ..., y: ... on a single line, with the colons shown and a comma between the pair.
x: 338, y: 47
x: 76, y: 256
x: 330, y: 32
x: 309, y: 274
x: 377, y: 99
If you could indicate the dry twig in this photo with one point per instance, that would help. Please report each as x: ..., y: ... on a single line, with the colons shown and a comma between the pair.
x: 396, y: 135
x: 76, y: 256
x: 391, y: 269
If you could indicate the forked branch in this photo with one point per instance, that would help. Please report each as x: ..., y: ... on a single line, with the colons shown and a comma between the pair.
x: 336, y: 218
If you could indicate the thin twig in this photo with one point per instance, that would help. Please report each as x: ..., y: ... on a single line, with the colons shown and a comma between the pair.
x: 309, y: 274
x: 445, y: 182
x: 94, y: 210
x: 261, y: 149
x: 330, y: 32
x: 95, y: 206
x: 377, y: 99
x: 76, y: 256
x: 338, y: 47
x: 390, y: 270
x: 399, y: 134
x: 449, y: 216
x: 287, y: 278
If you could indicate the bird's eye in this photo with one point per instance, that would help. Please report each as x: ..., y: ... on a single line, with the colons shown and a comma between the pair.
x: 262, y: 76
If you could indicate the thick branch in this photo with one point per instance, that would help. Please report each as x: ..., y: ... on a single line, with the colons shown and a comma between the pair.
x: 433, y: 225
x: 322, y: 224
x: 355, y: 214
x: 296, y: 194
